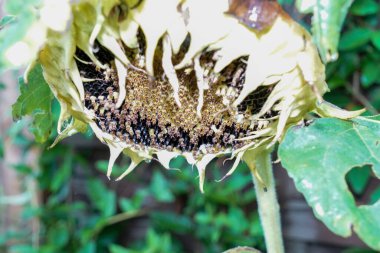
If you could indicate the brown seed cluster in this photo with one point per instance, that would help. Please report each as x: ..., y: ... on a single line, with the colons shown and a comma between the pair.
x: 149, y: 116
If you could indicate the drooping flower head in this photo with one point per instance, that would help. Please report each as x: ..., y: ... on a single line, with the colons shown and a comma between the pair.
x: 194, y: 78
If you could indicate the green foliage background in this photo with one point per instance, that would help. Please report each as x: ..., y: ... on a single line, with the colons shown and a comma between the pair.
x: 83, y: 212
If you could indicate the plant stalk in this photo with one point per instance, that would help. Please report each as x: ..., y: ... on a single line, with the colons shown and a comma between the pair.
x: 268, y: 206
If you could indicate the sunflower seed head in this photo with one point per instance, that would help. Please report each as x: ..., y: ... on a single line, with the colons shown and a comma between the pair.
x: 200, y: 82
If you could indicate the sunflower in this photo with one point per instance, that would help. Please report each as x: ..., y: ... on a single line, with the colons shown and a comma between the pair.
x: 199, y: 79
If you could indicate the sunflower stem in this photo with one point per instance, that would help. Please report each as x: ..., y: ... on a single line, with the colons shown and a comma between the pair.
x: 268, y: 206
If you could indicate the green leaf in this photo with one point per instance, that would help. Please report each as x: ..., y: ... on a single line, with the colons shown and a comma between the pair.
x: 328, y: 18
x: 168, y: 221
x: 364, y: 7
x: 376, y: 39
x: 1, y: 148
x: 103, y: 199
x: 62, y: 175
x: 23, y: 169
x: 370, y: 74
x: 160, y: 188
x: 35, y: 100
x: 158, y: 242
x: 126, y: 205
x: 355, y: 38
x: 6, y: 20
x: 118, y: 249
x: 58, y: 235
x: 88, y: 248
x: 237, y: 220
x: 134, y: 203
x: 318, y: 158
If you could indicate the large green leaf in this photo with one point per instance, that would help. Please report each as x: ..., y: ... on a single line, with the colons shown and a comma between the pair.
x: 328, y: 18
x: 35, y: 100
x: 319, y: 156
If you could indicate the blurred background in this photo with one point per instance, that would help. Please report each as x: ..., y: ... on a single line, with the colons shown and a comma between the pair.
x: 60, y: 200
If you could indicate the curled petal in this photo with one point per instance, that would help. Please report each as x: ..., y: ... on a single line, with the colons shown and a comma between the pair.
x: 234, y: 166
x: 115, y: 152
x: 201, y: 166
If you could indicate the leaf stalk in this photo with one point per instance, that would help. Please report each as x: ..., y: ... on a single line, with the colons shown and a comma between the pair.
x: 268, y: 207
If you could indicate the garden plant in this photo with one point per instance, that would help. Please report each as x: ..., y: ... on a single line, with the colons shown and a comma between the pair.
x: 183, y: 82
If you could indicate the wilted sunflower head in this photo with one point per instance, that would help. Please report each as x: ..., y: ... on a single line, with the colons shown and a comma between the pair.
x: 181, y: 77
